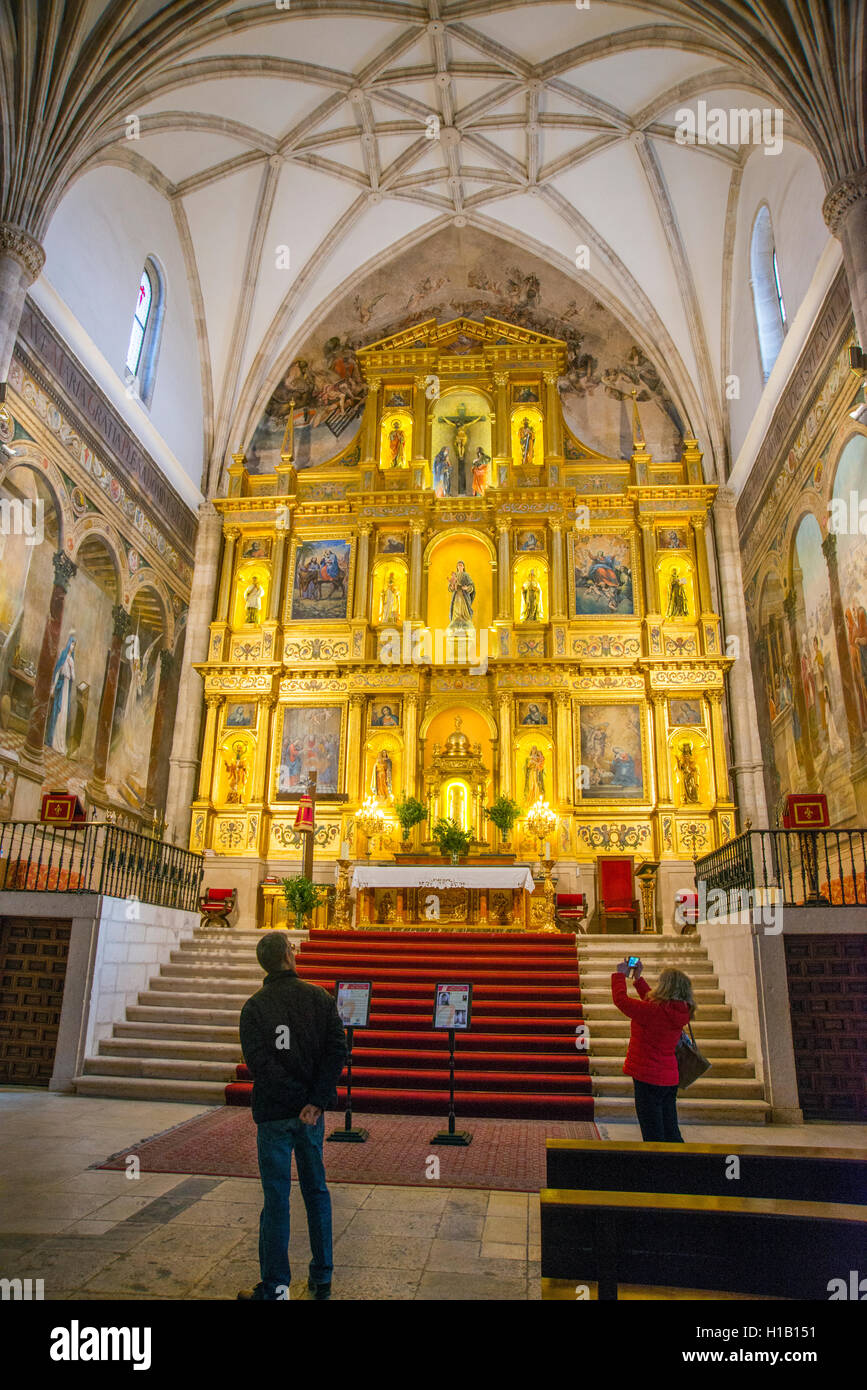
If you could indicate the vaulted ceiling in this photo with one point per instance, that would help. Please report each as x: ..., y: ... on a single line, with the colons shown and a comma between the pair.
x: 348, y: 131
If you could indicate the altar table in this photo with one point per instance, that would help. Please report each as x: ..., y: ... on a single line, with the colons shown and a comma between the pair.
x: 427, y: 895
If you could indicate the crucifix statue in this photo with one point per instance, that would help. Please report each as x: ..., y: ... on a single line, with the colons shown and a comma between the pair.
x: 461, y: 423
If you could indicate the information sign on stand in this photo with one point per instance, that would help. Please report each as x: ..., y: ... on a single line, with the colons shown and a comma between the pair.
x: 353, y: 1006
x: 452, y: 1013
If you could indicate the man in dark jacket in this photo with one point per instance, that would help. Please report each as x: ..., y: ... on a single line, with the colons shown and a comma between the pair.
x: 294, y: 1045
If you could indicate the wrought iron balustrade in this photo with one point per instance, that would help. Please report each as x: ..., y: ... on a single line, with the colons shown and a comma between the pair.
x: 795, y: 868
x: 97, y: 858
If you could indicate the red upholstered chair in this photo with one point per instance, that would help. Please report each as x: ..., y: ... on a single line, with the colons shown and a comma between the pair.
x: 616, y: 887
x: 686, y: 910
x: 217, y: 905
x: 571, y: 911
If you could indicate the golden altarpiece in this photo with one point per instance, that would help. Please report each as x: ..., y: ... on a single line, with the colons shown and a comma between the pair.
x: 465, y: 565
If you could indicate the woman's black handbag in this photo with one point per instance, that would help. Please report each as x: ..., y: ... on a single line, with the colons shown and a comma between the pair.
x: 690, y: 1062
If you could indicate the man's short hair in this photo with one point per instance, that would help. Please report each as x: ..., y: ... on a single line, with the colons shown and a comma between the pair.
x: 271, y: 950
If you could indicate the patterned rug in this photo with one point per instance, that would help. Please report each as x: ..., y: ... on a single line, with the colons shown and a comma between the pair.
x: 505, y: 1155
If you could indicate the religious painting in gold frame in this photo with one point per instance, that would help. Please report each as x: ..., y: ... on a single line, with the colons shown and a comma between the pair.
x: 611, y: 740
x: 386, y: 713
x: 603, y: 575
x: 322, y: 579
x: 309, y: 738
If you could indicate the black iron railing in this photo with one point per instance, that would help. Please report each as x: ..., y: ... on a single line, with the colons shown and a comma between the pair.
x: 96, y: 858
x: 796, y: 868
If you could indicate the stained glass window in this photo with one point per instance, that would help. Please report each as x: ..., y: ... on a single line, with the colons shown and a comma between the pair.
x: 139, y: 323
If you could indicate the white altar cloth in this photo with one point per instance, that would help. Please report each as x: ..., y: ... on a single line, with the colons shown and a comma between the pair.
x: 443, y: 876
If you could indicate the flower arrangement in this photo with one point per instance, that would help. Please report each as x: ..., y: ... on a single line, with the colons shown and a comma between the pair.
x: 302, y: 896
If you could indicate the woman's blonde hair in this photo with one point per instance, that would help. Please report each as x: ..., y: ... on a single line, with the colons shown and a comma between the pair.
x: 673, y: 984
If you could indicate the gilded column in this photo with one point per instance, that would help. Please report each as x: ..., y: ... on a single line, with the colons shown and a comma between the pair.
x: 553, y: 417
x: 206, y: 769
x: 558, y: 605
x: 505, y: 745
x: 663, y: 784
x: 224, y: 612
x: 415, y: 571
x: 354, y: 741
x: 501, y: 383
x: 157, y: 762
x: 718, y: 739
x: 504, y: 572
x: 565, y: 766
x: 410, y: 741
x: 850, y: 699
x: 277, y: 573
x: 361, y: 570
x: 259, y: 790
x: 419, y: 422
x: 121, y: 624
x: 705, y: 598
x: 369, y: 421
x: 648, y: 557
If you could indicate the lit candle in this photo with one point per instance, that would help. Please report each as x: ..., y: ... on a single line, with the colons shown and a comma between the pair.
x: 344, y: 850
x: 547, y: 849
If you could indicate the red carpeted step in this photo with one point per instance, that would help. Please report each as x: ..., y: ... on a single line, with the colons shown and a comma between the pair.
x: 519, y: 1058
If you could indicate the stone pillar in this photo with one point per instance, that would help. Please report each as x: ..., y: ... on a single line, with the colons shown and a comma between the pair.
x: 847, y: 675
x: 206, y: 769
x: 361, y: 570
x: 663, y: 784
x: 122, y: 622
x: 157, y: 763
x: 565, y: 765
x: 21, y: 262
x: 224, y: 601
x: 188, y: 716
x: 354, y: 741
x: 415, y: 572
x: 505, y: 745
x: 558, y: 601
x: 279, y: 564
x: 31, y: 769
x: 504, y: 572
x: 845, y: 210
x: 790, y: 603
x: 717, y: 733
x: 748, y: 766
x: 410, y: 742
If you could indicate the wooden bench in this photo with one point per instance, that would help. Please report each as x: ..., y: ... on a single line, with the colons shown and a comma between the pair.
x: 756, y: 1246
x: 799, y: 1174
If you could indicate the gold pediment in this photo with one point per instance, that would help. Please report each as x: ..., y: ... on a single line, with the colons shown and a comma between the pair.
x: 440, y: 336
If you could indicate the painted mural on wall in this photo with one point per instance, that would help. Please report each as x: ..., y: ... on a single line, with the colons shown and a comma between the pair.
x: 457, y: 272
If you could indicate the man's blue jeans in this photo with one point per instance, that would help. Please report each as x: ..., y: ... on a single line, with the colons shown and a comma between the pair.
x: 275, y: 1140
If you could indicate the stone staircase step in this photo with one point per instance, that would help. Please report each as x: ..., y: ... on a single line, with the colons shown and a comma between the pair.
x: 151, y: 1088
x: 170, y: 1069
x: 601, y: 994
x: 696, y: 1112
x: 619, y: 1028
x: 716, y: 1048
x: 706, y: 1088
x: 164, y: 1013
x: 710, y: 1013
x: 723, y: 1067
x: 168, y: 1047
x: 226, y: 989
x: 179, y: 1032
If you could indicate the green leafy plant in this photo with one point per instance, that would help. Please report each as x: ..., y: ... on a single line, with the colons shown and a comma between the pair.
x: 302, y: 896
x: 451, y: 838
x: 504, y: 813
x: 409, y: 812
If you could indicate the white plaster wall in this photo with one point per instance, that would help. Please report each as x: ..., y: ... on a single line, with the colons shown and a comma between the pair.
x: 108, y: 223
x: 730, y: 948
x: 134, y: 940
x: 791, y: 185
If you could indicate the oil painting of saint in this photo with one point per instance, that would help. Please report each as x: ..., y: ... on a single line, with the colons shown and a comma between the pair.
x: 310, y: 742
x: 463, y: 592
x: 603, y: 576
x: 321, y: 580
x: 610, y: 741
x: 385, y: 715
x: 532, y: 712
x: 61, y: 710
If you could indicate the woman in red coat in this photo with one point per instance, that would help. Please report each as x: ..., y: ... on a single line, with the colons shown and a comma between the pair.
x: 658, y: 1017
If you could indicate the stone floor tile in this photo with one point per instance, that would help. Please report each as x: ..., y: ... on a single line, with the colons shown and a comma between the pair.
x: 445, y: 1287
x: 405, y: 1199
x: 507, y: 1230
x: 227, y: 1214
x: 492, y: 1250
x: 392, y: 1285
x: 382, y: 1252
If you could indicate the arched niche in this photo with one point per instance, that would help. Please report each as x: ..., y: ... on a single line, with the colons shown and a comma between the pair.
x: 252, y: 585
x: 527, y: 435
x: 395, y: 440
x: 233, y: 773
x: 137, y: 693
x: 691, y: 767
x: 383, y: 767
x: 461, y: 424
x: 533, y: 768
x: 850, y: 490
x: 389, y: 590
x: 475, y: 723
x: 675, y: 575
x: 529, y: 572
x: 444, y: 554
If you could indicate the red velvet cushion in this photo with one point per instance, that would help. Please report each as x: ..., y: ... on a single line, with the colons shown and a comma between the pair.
x: 616, y: 883
x: 567, y: 900
x: 219, y: 894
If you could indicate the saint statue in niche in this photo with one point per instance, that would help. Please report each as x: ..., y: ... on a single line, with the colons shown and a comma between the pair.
x: 389, y: 602
x: 463, y: 592
x: 534, y: 776
x: 677, y: 603
x: 397, y: 445
x: 381, y: 781
x: 442, y: 473
x: 253, y: 596
x: 236, y: 772
x: 689, y: 772
x: 531, y: 600
x: 61, y: 707
x: 527, y: 441
x: 481, y: 463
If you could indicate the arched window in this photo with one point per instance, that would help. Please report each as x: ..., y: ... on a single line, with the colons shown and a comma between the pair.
x: 144, y: 338
x: 770, y: 307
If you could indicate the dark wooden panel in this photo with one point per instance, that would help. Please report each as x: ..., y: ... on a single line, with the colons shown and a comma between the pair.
x: 33, y: 955
x: 828, y: 997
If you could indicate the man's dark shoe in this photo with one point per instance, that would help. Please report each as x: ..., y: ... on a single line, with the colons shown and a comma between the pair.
x: 257, y: 1294
x: 321, y: 1292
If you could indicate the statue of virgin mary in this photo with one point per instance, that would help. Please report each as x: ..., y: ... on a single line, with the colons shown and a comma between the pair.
x: 463, y: 592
